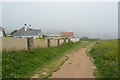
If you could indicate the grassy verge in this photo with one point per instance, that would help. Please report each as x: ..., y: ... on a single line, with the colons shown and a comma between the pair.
x: 24, y: 64
x: 105, y: 55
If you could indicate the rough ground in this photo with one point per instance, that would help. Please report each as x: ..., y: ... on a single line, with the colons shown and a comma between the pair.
x: 78, y: 65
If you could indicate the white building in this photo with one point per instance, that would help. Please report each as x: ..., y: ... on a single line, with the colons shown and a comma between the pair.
x: 75, y: 39
x: 2, y: 30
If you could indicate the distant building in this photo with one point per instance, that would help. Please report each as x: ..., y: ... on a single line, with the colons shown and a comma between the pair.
x: 75, y: 39
x: 2, y: 31
x: 27, y: 32
x: 54, y: 36
x: 67, y: 34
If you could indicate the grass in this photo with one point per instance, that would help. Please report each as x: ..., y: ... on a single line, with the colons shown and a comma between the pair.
x: 24, y: 64
x: 105, y: 55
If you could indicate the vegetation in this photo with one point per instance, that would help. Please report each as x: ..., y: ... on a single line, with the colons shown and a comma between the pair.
x: 105, y: 55
x: 4, y: 34
x: 41, y: 38
x: 9, y: 36
x: 24, y: 64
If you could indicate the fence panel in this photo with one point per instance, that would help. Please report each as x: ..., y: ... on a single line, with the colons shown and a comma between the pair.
x: 67, y: 40
x: 54, y: 42
x: 61, y: 41
x: 40, y: 43
x: 9, y: 44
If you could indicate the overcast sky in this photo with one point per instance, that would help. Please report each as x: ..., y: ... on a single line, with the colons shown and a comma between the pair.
x: 91, y: 19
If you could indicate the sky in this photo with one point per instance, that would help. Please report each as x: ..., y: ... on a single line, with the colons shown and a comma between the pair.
x: 85, y: 19
x: 60, y: 0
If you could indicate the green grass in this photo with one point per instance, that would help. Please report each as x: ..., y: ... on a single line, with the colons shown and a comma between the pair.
x: 9, y: 36
x: 24, y: 64
x: 105, y: 55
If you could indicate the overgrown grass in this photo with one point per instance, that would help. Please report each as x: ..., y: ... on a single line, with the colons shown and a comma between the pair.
x: 105, y: 55
x: 24, y: 64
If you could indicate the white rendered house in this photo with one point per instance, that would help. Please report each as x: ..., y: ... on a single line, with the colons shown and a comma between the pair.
x: 2, y: 31
x: 27, y: 32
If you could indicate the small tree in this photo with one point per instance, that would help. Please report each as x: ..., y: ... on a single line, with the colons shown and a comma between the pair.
x: 44, y: 36
x: 4, y: 33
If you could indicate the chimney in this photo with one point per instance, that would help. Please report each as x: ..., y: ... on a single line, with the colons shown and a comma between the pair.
x: 25, y: 27
x: 29, y: 25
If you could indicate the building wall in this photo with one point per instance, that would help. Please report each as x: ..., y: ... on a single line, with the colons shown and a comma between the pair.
x: 53, y: 42
x: 9, y: 44
x: 27, y: 36
x: 1, y: 33
x: 40, y: 43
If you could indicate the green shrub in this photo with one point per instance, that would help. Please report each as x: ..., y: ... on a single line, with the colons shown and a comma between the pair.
x: 105, y: 56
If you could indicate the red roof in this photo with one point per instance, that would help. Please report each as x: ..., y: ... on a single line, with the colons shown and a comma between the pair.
x: 67, y: 34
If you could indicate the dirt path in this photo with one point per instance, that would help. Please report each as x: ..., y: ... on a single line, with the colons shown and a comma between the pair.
x: 78, y: 65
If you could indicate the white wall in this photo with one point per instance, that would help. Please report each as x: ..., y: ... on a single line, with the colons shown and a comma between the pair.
x: 75, y: 39
x: 27, y: 36
x: 1, y: 33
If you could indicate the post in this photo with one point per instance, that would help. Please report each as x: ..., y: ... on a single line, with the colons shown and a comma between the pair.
x: 48, y: 42
x: 68, y: 40
x: 58, y: 41
x: 64, y: 40
x: 30, y: 43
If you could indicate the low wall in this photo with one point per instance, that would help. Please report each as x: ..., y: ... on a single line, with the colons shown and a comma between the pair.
x: 9, y: 44
x: 61, y: 41
x: 40, y: 43
x: 0, y: 44
x: 53, y: 42
x: 67, y: 40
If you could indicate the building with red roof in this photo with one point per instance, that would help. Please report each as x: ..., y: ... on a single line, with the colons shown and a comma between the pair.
x: 67, y: 34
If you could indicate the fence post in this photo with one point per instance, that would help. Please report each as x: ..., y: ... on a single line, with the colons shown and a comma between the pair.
x: 58, y: 41
x: 48, y: 42
x: 64, y: 40
x: 68, y: 40
x: 30, y: 43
